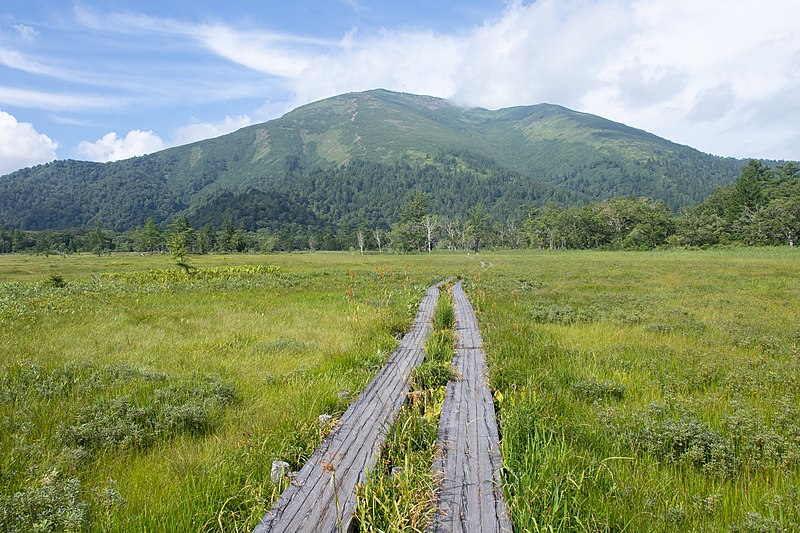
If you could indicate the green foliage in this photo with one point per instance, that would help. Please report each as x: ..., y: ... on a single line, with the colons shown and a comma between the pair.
x: 355, y: 157
x: 179, y: 241
x: 399, y: 494
x: 97, y: 239
x: 409, y: 233
x: 595, y: 391
x: 109, y: 380
x: 650, y: 394
x: 432, y: 375
x: 52, y: 504
x: 120, y: 423
x: 444, y: 317
x: 478, y: 228
x: 56, y: 281
x: 632, y: 223
x: 149, y: 238
x: 761, y: 208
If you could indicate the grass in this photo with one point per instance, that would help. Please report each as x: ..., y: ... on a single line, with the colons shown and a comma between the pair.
x: 399, y: 494
x: 636, y: 391
x: 647, y: 391
x: 138, y: 398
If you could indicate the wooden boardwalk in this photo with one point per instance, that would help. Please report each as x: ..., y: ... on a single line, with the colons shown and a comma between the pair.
x: 471, y: 496
x: 322, y: 496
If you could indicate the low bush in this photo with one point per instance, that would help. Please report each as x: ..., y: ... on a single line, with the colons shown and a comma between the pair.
x: 192, y: 408
x: 53, y: 504
x: 685, y: 440
x: 595, y: 391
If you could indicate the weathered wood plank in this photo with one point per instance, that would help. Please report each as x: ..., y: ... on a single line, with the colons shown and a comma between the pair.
x: 322, y: 496
x: 470, y: 497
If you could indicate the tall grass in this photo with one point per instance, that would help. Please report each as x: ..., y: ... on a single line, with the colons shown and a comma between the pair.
x: 647, y: 391
x: 145, y: 399
x: 399, y: 494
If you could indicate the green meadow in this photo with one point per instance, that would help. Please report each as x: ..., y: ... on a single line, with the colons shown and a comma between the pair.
x: 651, y: 391
x: 636, y: 391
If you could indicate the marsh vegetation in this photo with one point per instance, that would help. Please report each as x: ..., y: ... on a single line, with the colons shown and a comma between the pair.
x: 635, y: 391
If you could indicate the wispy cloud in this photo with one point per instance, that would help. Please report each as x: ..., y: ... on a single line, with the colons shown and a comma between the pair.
x: 19, y: 61
x: 58, y: 101
x: 27, y: 33
x: 719, y: 76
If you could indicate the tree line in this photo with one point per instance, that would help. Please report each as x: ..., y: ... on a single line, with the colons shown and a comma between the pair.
x: 761, y: 208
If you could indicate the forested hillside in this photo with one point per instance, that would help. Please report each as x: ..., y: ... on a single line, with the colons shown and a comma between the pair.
x: 352, y: 159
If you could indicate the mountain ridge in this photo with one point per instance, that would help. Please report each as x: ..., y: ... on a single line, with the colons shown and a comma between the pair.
x: 514, y: 156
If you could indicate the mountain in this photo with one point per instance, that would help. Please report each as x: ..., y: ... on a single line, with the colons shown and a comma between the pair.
x: 354, y: 157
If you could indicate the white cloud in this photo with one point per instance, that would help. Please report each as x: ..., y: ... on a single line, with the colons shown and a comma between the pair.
x: 28, y: 33
x: 21, y: 145
x: 719, y: 75
x: 712, y: 74
x: 19, y: 61
x: 205, y: 130
x: 58, y: 101
x: 111, y: 147
x: 260, y: 52
x: 420, y: 62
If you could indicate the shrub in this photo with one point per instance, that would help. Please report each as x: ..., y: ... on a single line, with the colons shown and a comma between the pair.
x: 594, y: 391
x: 192, y: 408
x: 686, y: 440
x: 53, y: 505
x: 555, y: 314
x: 755, y: 523
x: 55, y: 281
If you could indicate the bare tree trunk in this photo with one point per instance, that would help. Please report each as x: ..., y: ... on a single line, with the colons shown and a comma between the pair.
x: 430, y: 226
x: 360, y: 238
x: 378, y: 235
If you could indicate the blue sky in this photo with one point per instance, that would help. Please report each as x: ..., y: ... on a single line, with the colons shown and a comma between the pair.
x: 109, y: 80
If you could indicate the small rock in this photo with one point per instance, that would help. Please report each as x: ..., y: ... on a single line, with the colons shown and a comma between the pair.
x: 324, y: 419
x: 279, y: 469
x: 343, y: 394
x: 396, y: 470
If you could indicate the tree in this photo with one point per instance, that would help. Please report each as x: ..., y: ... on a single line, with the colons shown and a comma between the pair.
x: 206, y: 239
x: 238, y: 241
x: 781, y: 220
x: 360, y: 239
x: 749, y: 188
x: 227, y: 232
x: 97, y: 239
x: 409, y: 233
x: 478, y: 226
x: 378, y: 234
x: 180, y: 240
x: 149, y: 238
x: 430, y: 222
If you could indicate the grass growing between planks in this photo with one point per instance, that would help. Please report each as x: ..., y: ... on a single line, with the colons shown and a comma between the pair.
x: 399, y: 495
x: 647, y: 391
x: 145, y: 399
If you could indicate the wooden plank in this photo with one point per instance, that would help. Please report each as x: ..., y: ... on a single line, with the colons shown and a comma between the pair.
x: 322, y: 497
x: 470, y: 497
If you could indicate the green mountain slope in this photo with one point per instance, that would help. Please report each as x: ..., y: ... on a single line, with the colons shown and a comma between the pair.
x: 354, y: 157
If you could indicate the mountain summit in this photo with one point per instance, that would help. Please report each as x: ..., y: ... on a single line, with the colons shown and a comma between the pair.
x: 354, y: 157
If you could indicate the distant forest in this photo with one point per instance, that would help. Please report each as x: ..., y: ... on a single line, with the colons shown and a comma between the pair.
x: 761, y: 208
